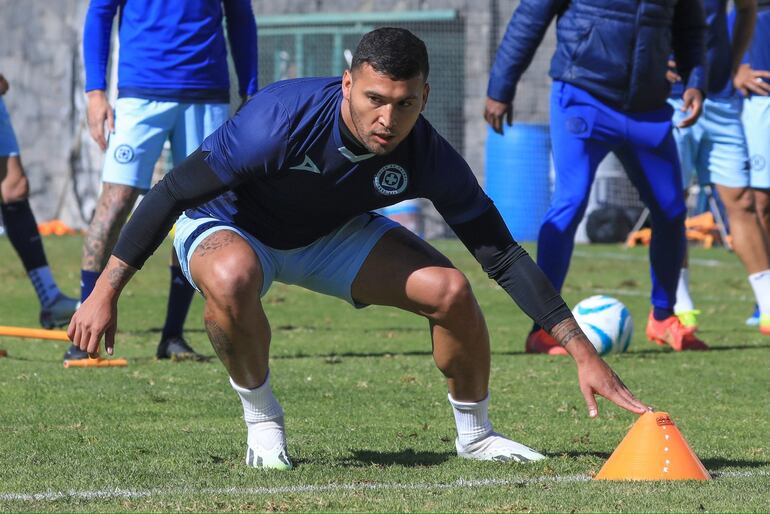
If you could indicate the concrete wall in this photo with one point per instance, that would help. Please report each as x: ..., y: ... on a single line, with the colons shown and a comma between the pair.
x: 41, y: 57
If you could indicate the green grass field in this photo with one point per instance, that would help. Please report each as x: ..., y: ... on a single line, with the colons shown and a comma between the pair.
x: 368, y: 422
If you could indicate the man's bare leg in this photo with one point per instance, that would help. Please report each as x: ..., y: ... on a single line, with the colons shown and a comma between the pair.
x: 762, y: 199
x: 750, y: 242
x: 229, y: 274
x: 404, y: 271
x: 112, y: 209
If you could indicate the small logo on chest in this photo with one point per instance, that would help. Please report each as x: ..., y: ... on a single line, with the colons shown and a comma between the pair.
x: 307, y: 165
x: 391, y: 180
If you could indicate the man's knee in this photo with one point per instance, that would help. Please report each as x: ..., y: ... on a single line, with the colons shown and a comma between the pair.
x: 741, y: 202
x: 232, y: 279
x: 452, y: 296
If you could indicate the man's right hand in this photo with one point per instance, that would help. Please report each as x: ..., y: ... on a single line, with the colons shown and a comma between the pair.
x: 3, y: 85
x: 99, y: 112
x: 98, y: 316
x: 750, y: 81
x: 495, y: 111
x: 594, y: 375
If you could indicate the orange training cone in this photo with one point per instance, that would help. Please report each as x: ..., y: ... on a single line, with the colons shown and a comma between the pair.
x: 653, y: 449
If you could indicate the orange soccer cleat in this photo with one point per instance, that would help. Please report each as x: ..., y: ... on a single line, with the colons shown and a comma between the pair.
x: 671, y: 332
x: 541, y: 341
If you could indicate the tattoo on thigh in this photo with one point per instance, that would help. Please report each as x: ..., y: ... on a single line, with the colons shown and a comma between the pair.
x: 220, y: 341
x: 216, y: 241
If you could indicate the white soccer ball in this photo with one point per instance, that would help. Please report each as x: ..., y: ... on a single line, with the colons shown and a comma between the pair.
x: 606, y: 322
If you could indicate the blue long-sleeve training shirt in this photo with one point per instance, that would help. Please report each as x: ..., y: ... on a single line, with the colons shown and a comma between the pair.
x: 172, y: 50
x: 718, y: 51
x: 758, y: 55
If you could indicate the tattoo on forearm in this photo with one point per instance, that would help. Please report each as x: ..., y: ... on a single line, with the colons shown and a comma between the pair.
x: 119, y: 276
x: 220, y: 341
x: 565, y: 331
x: 216, y: 241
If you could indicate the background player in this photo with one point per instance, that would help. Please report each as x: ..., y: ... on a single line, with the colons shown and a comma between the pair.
x: 609, y: 94
x: 56, y: 309
x: 283, y: 191
x: 715, y: 148
x: 753, y: 81
x: 172, y: 85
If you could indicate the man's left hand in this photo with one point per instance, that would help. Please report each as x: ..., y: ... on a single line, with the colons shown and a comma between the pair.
x: 693, y: 102
x: 495, y: 111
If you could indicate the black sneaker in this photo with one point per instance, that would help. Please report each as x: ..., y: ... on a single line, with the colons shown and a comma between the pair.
x: 74, y: 353
x: 177, y: 349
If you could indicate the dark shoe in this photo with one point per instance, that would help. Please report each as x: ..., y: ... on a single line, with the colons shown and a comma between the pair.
x: 58, y: 314
x: 74, y: 353
x: 177, y: 349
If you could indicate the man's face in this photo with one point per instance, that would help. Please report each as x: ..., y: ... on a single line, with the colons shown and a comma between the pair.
x: 381, y: 111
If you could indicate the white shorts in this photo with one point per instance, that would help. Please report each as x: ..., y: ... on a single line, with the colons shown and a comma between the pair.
x: 141, y: 128
x: 756, y: 124
x: 329, y: 265
x: 8, y: 144
x: 715, y: 147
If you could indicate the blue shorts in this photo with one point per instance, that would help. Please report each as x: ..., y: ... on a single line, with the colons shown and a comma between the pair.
x: 143, y: 126
x: 328, y: 265
x: 756, y: 124
x: 715, y: 147
x: 8, y: 144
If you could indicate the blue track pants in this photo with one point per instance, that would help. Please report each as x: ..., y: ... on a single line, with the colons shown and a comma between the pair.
x: 583, y: 131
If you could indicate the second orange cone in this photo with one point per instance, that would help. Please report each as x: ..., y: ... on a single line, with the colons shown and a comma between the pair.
x: 653, y: 449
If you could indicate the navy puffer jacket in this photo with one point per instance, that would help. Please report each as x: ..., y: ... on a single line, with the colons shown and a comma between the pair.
x: 617, y: 50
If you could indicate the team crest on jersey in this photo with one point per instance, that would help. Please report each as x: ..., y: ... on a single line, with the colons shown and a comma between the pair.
x: 124, y: 154
x: 757, y: 162
x: 391, y: 180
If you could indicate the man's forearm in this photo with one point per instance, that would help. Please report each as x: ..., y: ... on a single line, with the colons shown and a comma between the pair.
x: 569, y: 335
x: 115, y: 277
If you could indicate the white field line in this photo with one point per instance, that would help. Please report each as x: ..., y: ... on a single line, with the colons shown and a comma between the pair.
x: 319, y: 488
x: 646, y: 293
x: 621, y: 256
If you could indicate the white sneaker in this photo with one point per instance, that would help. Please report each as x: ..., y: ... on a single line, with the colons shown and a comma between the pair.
x: 498, y: 448
x: 275, y: 458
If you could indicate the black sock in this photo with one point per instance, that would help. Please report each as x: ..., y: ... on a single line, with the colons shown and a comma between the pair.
x: 21, y: 227
x: 180, y: 296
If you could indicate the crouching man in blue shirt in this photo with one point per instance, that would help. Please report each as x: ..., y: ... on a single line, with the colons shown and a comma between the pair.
x: 284, y: 191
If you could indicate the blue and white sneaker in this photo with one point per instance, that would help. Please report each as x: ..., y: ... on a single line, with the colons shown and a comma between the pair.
x: 753, y: 320
x: 497, y: 447
x: 59, y: 313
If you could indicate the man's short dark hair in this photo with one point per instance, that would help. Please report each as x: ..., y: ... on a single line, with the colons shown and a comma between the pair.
x: 394, y: 52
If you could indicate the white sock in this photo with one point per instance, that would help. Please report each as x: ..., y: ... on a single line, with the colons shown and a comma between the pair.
x: 263, y: 416
x: 471, y: 419
x: 760, y: 283
x: 683, y: 300
x: 44, y: 284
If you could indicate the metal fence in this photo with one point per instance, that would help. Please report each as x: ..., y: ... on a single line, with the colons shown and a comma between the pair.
x: 307, y: 45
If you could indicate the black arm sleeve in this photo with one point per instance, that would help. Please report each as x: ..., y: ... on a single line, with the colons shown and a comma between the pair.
x: 187, y: 185
x: 508, y: 264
